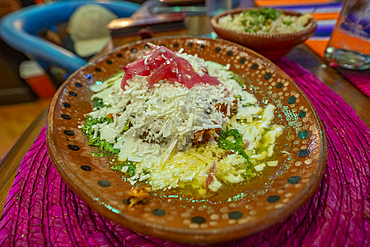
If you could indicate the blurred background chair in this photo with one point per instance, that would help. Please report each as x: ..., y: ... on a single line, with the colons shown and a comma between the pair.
x: 21, y: 28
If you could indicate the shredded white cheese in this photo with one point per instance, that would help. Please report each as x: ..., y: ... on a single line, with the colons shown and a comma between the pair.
x: 154, y: 126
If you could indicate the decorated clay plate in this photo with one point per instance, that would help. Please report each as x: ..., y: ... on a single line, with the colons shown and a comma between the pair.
x: 233, y: 213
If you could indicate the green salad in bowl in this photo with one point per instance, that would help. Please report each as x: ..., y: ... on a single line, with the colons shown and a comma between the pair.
x: 270, y: 32
x: 264, y: 21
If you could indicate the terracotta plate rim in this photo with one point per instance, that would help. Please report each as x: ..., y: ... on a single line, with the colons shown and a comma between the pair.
x: 279, y: 214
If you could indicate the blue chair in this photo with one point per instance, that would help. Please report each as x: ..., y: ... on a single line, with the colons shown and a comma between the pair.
x: 19, y: 30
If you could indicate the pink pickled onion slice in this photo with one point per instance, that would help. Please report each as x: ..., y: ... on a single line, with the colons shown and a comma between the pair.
x: 162, y: 52
x: 209, y: 178
x: 175, y: 70
x: 205, y: 79
x: 162, y: 64
x: 167, y: 71
x: 147, y: 64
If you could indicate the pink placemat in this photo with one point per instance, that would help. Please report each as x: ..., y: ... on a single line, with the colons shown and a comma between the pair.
x: 360, y: 79
x: 41, y: 210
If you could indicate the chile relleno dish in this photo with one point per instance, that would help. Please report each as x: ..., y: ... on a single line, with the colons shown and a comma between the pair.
x: 190, y: 137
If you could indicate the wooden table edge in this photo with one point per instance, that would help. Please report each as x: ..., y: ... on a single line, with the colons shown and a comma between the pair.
x: 10, y: 163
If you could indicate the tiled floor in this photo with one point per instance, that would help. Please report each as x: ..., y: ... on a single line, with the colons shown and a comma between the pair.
x: 14, y: 120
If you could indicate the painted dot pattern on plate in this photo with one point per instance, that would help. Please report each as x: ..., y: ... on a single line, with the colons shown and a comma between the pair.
x: 66, y: 117
x: 69, y: 132
x: 303, y: 153
x: 267, y: 76
x: 303, y: 134
x: 292, y: 100
x: 86, y: 168
x: 294, y: 180
x: 73, y: 94
x: 280, y: 90
x: 302, y: 114
x: 198, y: 220
x: 104, y: 183
x: 126, y: 201
x: 73, y: 147
x: 235, y: 215
x: 159, y: 212
x: 273, y: 198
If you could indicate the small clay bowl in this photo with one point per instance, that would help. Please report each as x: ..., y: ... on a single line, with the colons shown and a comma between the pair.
x: 271, y: 46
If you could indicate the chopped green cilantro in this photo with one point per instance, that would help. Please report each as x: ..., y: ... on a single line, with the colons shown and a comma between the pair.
x: 235, y: 143
x: 88, y: 129
x: 238, y: 79
x: 96, y: 153
x: 261, y: 17
x: 231, y: 139
x: 117, y: 168
x: 266, y: 13
x: 131, y: 167
x: 126, y: 127
x: 98, y: 103
x: 250, y: 30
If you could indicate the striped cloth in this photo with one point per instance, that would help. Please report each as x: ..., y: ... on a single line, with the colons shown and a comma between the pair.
x: 360, y: 79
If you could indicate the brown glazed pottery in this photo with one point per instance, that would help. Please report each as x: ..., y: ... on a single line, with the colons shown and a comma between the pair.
x: 270, y: 45
x: 232, y: 213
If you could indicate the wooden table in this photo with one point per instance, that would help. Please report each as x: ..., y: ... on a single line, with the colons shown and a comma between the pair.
x: 197, y: 25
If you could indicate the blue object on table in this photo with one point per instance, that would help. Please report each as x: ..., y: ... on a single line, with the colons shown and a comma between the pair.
x: 19, y: 30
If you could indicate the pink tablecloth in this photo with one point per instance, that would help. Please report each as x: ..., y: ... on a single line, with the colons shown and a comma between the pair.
x: 360, y: 79
x: 42, y: 211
